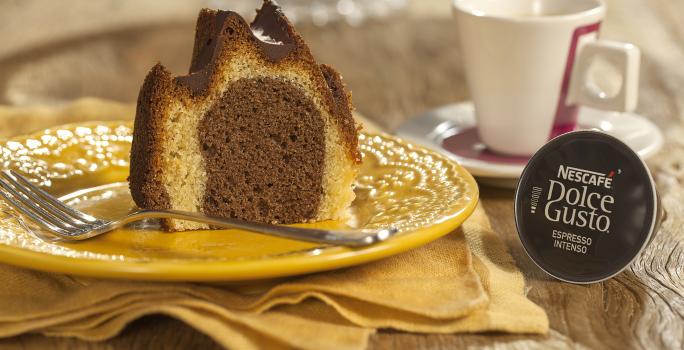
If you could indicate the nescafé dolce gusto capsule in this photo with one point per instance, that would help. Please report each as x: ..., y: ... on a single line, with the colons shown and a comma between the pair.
x: 585, y: 207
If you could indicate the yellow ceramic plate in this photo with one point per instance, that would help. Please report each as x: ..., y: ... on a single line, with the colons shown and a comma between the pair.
x: 420, y: 192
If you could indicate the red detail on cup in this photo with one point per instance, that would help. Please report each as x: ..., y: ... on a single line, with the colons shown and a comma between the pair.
x: 566, y: 115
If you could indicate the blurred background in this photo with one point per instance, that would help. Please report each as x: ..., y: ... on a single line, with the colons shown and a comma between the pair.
x: 399, y: 57
x: 56, y: 51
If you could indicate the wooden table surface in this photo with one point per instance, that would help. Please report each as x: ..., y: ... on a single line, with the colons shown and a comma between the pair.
x: 398, y: 67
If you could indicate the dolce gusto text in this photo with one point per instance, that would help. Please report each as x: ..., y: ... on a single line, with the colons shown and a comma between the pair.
x: 580, y: 205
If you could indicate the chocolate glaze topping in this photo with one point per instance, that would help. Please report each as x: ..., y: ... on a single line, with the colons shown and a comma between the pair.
x: 272, y: 22
x: 209, y: 50
x: 227, y: 26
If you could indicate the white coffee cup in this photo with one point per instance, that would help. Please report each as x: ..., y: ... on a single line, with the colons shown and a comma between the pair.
x: 528, y: 65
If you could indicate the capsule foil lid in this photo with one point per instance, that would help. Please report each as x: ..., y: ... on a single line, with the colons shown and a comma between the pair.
x: 585, y: 207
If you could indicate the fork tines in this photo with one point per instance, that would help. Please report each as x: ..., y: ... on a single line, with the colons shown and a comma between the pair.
x: 43, y: 208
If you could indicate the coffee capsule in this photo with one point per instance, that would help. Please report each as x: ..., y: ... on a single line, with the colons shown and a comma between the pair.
x: 585, y: 207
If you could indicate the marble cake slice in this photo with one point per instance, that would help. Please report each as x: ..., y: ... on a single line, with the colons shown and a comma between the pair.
x: 257, y: 130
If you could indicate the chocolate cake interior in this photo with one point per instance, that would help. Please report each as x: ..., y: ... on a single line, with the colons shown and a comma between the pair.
x: 263, y: 146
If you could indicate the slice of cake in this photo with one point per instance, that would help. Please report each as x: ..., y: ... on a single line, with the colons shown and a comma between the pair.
x: 257, y: 130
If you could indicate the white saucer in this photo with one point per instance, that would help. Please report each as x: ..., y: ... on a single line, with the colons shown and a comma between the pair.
x: 454, y: 125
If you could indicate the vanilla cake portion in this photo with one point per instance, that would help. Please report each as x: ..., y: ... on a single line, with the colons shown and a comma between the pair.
x: 257, y: 130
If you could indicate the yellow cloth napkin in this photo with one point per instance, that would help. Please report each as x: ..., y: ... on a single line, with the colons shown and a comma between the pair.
x: 463, y: 282
x: 443, y: 287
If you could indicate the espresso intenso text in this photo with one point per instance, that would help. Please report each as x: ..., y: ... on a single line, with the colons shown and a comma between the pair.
x: 578, y: 205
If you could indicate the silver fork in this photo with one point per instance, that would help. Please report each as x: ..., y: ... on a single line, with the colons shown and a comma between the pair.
x: 70, y: 224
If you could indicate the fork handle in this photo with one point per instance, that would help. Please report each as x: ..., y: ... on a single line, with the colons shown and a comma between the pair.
x: 352, y: 238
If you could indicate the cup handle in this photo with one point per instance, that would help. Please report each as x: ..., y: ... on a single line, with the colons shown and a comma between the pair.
x: 625, y: 57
